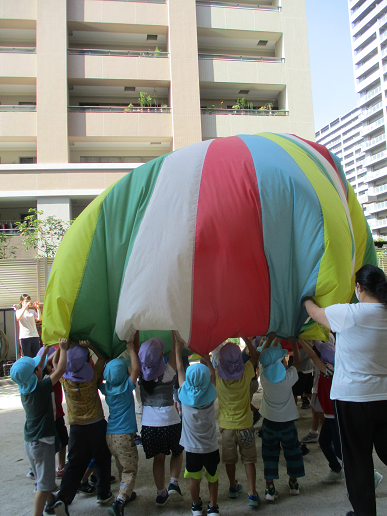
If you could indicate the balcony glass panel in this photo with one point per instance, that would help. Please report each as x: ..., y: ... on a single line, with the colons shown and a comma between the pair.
x: 238, y: 5
x: 125, y: 53
x: 253, y: 112
x: 116, y: 109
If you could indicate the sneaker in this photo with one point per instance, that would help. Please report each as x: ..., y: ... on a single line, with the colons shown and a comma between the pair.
x: 86, y: 488
x: 253, y: 500
x: 174, y: 491
x: 212, y: 510
x: 233, y: 492
x: 310, y: 438
x: 294, y: 488
x: 60, y: 508
x: 270, y: 493
x: 161, y: 500
x: 197, y: 510
x: 104, y: 499
x: 305, y: 403
x: 35, y: 487
x: 117, y: 508
x: 333, y: 476
x: 93, y: 479
x: 137, y: 440
x: 49, y: 507
x: 304, y: 449
x: 30, y: 474
x: 59, y: 472
x: 256, y: 417
x: 133, y: 496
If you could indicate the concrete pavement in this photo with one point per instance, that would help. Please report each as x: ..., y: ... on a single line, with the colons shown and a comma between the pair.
x: 316, y: 498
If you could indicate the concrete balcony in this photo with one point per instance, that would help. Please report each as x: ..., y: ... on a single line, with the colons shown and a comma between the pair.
x: 221, y: 15
x: 18, y: 122
x: 377, y: 190
x: 368, y: 128
x: 18, y: 62
x: 20, y: 10
x: 375, y: 158
x: 359, y: 11
x: 139, y: 123
x: 369, y: 96
x: 141, y: 14
x: 364, y: 67
x: 375, y: 174
x: 359, y: 26
x: 370, y: 144
x: 362, y: 84
x: 377, y: 207
x: 366, y: 50
x: 216, y: 125
x: 378, y: 223
x: 216, y: 68
x: 106, y: 64
x: 359, y: 40
x: 371, y: 111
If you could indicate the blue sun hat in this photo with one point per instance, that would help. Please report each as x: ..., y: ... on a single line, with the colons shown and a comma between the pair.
x: 271, y: 363
x: 231, y: 364
x: 23, y: 373
x: 116, y: 376
x: 197, y: 390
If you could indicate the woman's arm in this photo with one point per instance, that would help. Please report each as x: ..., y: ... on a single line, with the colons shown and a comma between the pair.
x: 316, y: 313
x: 21, y: 314
x: 313, y: 356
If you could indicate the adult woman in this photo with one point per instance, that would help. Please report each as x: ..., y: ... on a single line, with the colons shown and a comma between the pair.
x: 27, y: 314
x: 359, y: 385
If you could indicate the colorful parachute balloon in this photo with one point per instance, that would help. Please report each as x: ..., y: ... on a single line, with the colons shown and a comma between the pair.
x: 220, y: 239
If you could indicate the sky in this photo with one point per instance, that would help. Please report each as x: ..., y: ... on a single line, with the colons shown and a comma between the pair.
x: 330, y: 54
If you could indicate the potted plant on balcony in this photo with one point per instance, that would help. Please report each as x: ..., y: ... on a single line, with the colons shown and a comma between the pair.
x: 129, y: 108
x: 142, y: 99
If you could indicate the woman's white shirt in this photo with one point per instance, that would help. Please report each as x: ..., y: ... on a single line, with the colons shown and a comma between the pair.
x: 361, y: 351
x: 27, y: 326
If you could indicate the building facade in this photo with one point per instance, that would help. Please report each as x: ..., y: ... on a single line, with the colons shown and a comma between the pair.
x: 368, y: 21
x: 90, y: 89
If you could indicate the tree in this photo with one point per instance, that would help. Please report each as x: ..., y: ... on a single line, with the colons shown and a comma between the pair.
x: 6, y: 249
x: 44, y: 234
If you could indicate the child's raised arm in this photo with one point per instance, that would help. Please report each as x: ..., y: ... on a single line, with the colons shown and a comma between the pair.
x: 134, y: 361
x: 252, y: 350
x: 205, y: 359
x: 178, y: 344
x: 61, y: 367
x: 296, y: 353
x: 313, y: 356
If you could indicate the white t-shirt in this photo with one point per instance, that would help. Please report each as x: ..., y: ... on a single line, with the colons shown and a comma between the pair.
x: 361, y: 351
x: 278, y: 401
x: 27, y: 326
x: 161, y: 416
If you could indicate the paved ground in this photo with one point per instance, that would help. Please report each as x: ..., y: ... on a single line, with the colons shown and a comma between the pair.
x: 316, y: 498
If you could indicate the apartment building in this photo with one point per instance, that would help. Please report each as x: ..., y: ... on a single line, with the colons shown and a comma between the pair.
x: 343, y: 137
x: 90, y: 89
x: 368, y: 19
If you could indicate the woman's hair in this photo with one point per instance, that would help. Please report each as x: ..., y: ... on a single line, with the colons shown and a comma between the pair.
x: 373, y: 280
x: 22, y: 298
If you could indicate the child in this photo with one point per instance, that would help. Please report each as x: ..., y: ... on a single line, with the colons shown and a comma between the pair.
x: 122, y: 425
x: 279, y: 411
x: 235, y: 416
x: 62, y: 438
x: 161, y: 425
x: 39, y: 430
x: 87, y: 428
x: 197, y: 395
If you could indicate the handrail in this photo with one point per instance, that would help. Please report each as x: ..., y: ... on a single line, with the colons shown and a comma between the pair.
x: 231, y: 57
x: 117, y: 109
x: 140, y: 1
x: 254, y: 112
x: 18, y: 50
x: 5, y: 107
x: 102, y: 52
x: 236, y: 5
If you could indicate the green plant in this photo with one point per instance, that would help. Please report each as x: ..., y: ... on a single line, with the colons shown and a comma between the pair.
x: 157, y: 52
x: 129, y: 108
x: 142, y: 99
x: 250, y: 105
x: 212, y: 106
x: 164, y: 105
x: 235, y: 106
x: 6, y: 249
x: 155, y: 97
x: 149, y: 101
x: 44, y: 235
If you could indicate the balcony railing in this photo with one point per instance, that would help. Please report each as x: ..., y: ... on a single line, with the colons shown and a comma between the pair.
x: 231, y: 57
x: 253, y: 112
x: 124, y: 53
x: 371, y: 127
x: 18, y: 50
x: 117, y: 109
x: 375, y: 141
x: 236, y: 5
x: 140, y: 1
x: 366, y: 96
x: 5, y: 107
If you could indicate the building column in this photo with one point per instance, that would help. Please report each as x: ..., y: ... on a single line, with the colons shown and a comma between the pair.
x: 184, y: 71
x: 51, y: 81
x: 58, y: 207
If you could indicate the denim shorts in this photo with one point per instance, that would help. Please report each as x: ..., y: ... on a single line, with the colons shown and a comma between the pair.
x: 42, y: 459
